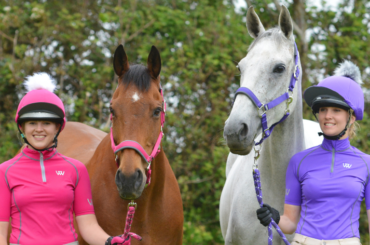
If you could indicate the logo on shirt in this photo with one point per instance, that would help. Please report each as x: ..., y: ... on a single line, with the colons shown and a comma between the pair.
x: 287, y: 192
x: 347, y: 165
x: 60, y: 172
x: 90, y: 202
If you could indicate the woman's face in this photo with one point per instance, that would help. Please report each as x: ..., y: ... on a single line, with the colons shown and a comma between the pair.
x: 40, y: 134
x: 333, y: 120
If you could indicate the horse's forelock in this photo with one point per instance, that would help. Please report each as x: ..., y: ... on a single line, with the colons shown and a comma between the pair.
x: 276, y: 35
x: 139, y: 75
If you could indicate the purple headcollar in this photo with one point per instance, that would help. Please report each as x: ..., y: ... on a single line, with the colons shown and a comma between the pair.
x: 262, y: 108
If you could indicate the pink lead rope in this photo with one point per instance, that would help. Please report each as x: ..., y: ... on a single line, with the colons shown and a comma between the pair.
x: 130, y: 144
x: 127, y: 234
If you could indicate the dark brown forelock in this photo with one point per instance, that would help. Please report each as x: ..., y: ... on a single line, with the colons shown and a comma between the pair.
x: 139, y: 75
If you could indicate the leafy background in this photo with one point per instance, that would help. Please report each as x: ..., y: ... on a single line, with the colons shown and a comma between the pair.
x: 200, y: 41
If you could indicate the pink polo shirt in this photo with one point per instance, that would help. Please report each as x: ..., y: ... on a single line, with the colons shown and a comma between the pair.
x: 41, y: 191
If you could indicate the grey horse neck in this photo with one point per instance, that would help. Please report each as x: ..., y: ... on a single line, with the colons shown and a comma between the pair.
x: 286, y: 140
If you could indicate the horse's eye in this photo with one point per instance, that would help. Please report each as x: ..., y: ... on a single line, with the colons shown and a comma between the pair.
x: 279, y: 68
x: 111, y: 111
x: 157, y: 112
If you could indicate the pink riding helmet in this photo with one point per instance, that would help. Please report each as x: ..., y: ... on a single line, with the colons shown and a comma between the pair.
x: 40, y: 102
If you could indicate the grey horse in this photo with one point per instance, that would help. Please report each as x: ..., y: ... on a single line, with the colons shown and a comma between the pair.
x: 266, y: 70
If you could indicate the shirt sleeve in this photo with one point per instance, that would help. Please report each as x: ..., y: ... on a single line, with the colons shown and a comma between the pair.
x: 293, y: 192
x: 6, y: 195
x: 367, y: 195
x: 83, y: 199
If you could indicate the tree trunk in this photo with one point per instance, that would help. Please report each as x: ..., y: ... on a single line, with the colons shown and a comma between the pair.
x: 299, y: 17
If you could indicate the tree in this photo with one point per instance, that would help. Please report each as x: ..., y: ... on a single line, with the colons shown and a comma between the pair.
x: 200, y: 42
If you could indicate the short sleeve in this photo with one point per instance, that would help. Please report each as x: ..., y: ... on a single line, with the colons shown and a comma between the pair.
x: 5, y: 202
x: 293, y: 191
x: 83, y: 199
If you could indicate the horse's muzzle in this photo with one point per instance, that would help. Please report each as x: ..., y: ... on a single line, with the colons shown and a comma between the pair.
x: 236, y: 139
x: 130, y: 187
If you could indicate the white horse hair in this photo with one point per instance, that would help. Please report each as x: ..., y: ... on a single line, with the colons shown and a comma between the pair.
x: 266, y: 70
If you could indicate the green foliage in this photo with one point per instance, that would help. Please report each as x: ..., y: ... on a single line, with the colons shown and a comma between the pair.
x: 362, y: 142
x: 199, y: 41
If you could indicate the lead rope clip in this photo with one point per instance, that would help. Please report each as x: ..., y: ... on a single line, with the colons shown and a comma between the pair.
x: 256, y: 156
x: 131, y: 207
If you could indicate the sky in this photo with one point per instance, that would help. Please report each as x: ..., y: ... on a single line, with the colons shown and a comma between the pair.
x: 329, y: 3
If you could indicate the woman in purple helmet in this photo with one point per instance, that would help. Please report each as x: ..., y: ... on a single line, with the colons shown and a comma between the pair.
x: 326, y: 184
x: 41, y: 190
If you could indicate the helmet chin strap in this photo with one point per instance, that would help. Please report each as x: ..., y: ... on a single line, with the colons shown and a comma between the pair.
x: 338, y: 136
x: 46, y: 148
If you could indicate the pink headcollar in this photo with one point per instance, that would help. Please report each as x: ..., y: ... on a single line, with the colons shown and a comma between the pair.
x: 130, y: 144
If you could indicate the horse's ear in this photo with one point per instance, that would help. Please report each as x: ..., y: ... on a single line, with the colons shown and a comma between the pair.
x: 154, y: 63
x: 254, y: 25
x: 120, y: 61
x: 285, y: 22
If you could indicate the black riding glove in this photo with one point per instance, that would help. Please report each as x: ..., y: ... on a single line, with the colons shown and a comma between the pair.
x: 265, y: 214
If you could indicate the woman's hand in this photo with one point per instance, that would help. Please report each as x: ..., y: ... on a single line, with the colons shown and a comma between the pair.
x: 265, y: 214
x: 287, y: 222
x: 119, y: 240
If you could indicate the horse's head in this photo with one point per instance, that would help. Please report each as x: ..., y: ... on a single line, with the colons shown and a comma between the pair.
x: 266, y: 71
x: 136, y: 109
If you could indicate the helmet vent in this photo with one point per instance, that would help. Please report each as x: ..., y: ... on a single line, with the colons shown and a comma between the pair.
x: 350, y: 70
x: 40, y: 80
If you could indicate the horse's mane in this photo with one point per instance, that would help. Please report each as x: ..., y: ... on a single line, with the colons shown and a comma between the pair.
x: 275, y: 34
x: 139, y: 75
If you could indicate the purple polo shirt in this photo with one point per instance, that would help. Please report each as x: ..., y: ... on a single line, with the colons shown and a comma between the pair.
x: 329, y: 182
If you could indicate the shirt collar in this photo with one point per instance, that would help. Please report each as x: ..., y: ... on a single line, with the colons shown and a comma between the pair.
x: 35, y: 155
x: 338, y: 145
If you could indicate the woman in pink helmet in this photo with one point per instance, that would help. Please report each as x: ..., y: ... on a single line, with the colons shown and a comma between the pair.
x: 326, y: 184
x: 42, y: 190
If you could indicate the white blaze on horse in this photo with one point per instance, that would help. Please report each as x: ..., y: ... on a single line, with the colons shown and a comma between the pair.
x: 266, y: 71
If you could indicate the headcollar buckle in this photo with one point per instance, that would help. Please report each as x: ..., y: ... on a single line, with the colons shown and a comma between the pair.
x: 261, y: 110
x: 295, y: 71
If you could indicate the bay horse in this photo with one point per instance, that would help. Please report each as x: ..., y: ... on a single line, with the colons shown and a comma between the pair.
x: 136, y: 109
x: 266, y: 71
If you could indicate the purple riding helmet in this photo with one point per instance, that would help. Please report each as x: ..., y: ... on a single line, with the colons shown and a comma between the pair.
x: 342, y: 90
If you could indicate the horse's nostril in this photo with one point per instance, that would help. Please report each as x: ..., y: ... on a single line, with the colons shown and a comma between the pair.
x: 119, y: 178
x: 244, y: 130
x: 139, y: 178
x: 137, y: 174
